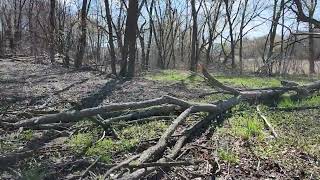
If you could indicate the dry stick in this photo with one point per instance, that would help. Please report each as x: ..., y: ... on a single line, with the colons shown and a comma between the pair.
x: 88, y: 168
x: 149, y: 119
x: 165, y: 164
x: 144, y: 113
x: 100, y: 121
x: 162, y: 143
x: 120, y: 165
x: 267, y: 123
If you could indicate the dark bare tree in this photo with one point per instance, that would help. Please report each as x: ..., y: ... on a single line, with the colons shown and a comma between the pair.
x: 83, y: 36
x: 52, y: 28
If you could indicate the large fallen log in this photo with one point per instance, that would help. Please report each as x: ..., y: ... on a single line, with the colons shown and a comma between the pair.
x: 71, y: 116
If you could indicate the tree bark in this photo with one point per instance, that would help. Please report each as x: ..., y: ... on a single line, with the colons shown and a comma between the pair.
x: 194, y: 46
x: 83, y: 36
x: 110, y: 38
x: 132, y: 35
x: 52, y: 30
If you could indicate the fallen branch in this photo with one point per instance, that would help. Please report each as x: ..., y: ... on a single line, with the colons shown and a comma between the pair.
x: 88, y: 168
x: 215, y: 83
x: 149, y: 119
x: 120, y: 165
x: 165, y: 137
x: 144, y: 113
x: 72, y: 116
x: 267, y: 123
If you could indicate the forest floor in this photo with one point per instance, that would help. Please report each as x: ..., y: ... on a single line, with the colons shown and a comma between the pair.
x: 241, y: 146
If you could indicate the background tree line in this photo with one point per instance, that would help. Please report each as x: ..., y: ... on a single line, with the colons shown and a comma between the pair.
x: 129, y: 36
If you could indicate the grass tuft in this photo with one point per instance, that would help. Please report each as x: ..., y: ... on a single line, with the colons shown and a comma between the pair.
x: 228, y: 156
x: 247, y: 126
x: 80, y: 141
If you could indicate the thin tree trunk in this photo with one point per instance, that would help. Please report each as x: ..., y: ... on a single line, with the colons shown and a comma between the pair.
x: 311, y: 40
x: 52, y: 30
x: 150, y: 36
x: 194, y: 46
x: 110, y: 38
x: 83, y: 37
x: 241, y: 35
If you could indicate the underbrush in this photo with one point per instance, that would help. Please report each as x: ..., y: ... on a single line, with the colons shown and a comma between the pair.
x: 243, y: 138
x: 108, y: 148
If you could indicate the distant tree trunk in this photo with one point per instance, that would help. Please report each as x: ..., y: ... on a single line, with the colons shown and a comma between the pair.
x: 282, y: 40
x: 132, y: 35
x: 124, y: 51
x: 52, y: 30
x: 18, y: 21
x: 142, y: 46
x: 232, y: 43
x: 311, y: 40
x: 110, y: 38
x: 30, y: 28
x: 194, y: 43
x: 241, y: 34
x: 83, y: 36
x: 150, y: 36
x: 272, y: 34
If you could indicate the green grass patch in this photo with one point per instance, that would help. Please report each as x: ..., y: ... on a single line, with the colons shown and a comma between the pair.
x: 81, y: 141
x: 186, y: 77
x: 108, y: 148
x: 249, y: 81
x: 26, y: 135
x: 247, y: 126
x: 228, y: 156
x: 286, y: 101
x: 144, y: 131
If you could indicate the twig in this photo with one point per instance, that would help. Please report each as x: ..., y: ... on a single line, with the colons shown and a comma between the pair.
x: 88, y: 168
x: 267, y: 123
x: 165, y: 164
x: 120, y: 165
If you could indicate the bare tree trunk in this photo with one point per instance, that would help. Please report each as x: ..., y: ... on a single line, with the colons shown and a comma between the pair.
x: 232, y: 43
x: 52, y: 30
x: 83, y: 37
x: 311, y: 40
x: 241, y: 35
x: 272, y: 35
x: 194, y: 46
x: 132, y: 33
x: 150, y: 36
x: 110, y: 38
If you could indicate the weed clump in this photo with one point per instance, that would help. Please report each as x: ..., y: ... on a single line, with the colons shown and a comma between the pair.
x: 228, y: 156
